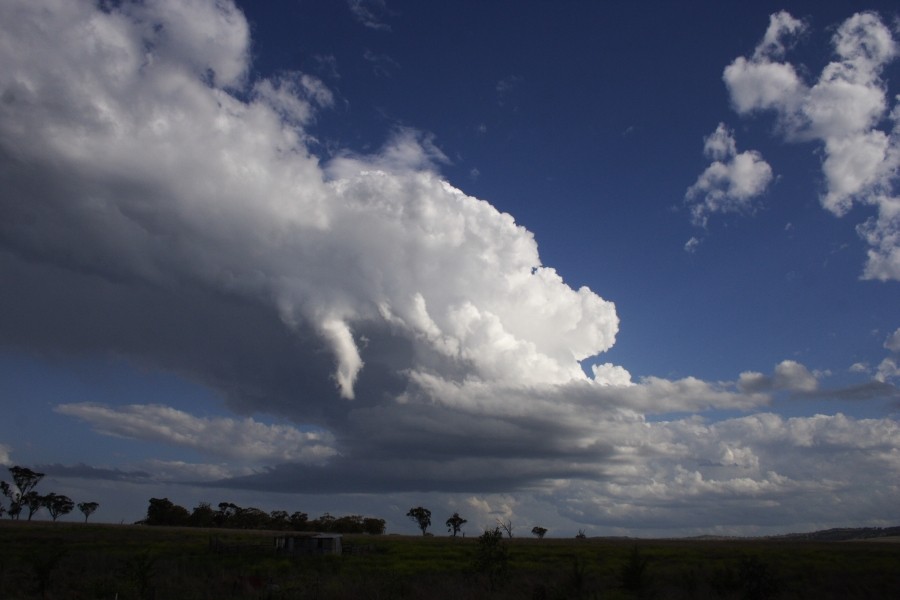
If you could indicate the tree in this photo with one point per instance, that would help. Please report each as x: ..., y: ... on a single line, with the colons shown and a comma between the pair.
x: 580, y: 535
x: 507, y: 526
x: 202, y: 516
x: 24, y: 480
x: 455, y: 523
x: 58, y: 505
x: 492, y: 557
x: 88, y: 508
x: 279, y: 519
x: 540, y: 532
x: 373, y: 526
x: 251, y: 518
x: 421, y: 516
x: 299, y: 520
x: 163, y: 512
x: 33, y: 501
x: 226, y: 515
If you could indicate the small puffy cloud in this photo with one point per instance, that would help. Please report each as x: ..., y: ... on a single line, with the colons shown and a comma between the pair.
x: 842, y: 110
x: 244, y: 439
x: 789, y: 375
x: 760, y: 83
x: 892, y: 342
x: 730, y: 183
x: 610, y: 374
x: 887, y: 370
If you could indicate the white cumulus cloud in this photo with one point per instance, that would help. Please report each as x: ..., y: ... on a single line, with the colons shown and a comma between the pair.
x: 843, y: 110
x: 730, y: 183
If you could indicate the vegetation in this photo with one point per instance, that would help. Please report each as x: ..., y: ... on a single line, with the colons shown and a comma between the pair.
x: 492, y: 558
x: 540, y: 532
x: 421, y: 516
x: 87, y: 509
x: 73, y: 560
x: 21, y: 494
x: 455, y: 523
x: 163, y: 512
x: 58, y: 505
x: 506, y: 526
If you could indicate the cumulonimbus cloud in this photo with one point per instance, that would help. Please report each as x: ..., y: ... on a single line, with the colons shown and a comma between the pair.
x: 161, y: 205
x: 168, y: 177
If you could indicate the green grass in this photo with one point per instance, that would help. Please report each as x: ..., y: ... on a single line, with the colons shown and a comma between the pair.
x: 66, y: 560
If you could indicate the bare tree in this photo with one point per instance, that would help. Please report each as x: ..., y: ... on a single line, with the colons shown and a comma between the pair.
x: 540, y: 532
x: 506, y: 526
x: 88, y: 509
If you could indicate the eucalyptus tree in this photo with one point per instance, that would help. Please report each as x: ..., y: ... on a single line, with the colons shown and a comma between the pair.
x: 421, y: 516
x: 455, y: 523
x: 88, y: 508
x: 58, y: 505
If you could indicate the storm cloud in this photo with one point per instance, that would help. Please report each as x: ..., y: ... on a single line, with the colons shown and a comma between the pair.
x: 161, y: 205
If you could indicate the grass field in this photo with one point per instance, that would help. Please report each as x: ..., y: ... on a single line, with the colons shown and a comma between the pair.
x: 66, y: 560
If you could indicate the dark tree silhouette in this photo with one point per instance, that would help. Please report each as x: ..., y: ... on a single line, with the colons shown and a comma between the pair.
x: 299, y: 520
x: 33, y: 501
x: 24, y: 481
x: 88, y: 508
x: 373, y: 525
x: 455, y: 523
x: 492, y: 558
x: 58, y: 505
x: 421, y: 516
x: 279, y: 519
x: 202, y: 516
x: 540, y: 532
x: 163, y: 512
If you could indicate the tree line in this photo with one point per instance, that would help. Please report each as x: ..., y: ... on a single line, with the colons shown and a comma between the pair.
x: 228, y: 515
x: 421, y: 516
x: 22, y: 496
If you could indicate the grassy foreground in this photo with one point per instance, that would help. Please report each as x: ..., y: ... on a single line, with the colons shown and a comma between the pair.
x: 66, y: 560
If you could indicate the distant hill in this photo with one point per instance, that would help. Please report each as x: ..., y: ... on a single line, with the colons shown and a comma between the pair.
x: 841, y: 534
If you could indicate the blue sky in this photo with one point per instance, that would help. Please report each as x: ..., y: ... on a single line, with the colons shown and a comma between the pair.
x: 630, y: 268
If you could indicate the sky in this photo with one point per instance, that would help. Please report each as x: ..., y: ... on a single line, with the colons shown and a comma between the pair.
x: 627, y: 268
